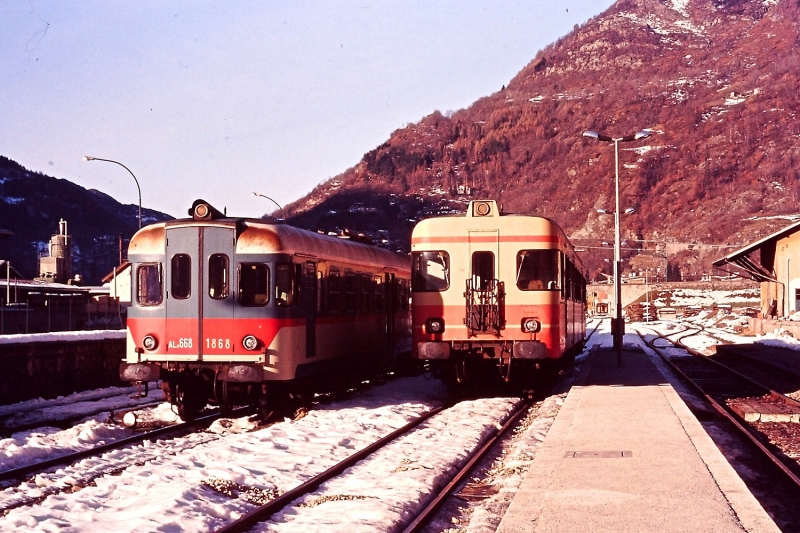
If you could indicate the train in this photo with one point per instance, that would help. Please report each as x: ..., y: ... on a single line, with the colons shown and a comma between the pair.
x: 230, y: 311
x: 495, y: 297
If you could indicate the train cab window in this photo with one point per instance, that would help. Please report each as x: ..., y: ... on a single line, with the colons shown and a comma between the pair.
x: 181, y: 276
x: 482, y: 270
x: 148, y: 284
x: 284, y: 284
x: 253, y: 284
x: 218, y: 282
x: 537, y: 270
x: 430, y: 271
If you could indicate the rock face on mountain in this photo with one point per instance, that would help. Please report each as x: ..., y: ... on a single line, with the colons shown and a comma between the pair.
x: 715, y: 81
x: 31, y: 206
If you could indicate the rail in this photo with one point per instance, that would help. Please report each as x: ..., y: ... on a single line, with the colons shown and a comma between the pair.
x: 712, y: 397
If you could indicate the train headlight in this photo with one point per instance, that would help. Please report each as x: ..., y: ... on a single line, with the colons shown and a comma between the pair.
x: 434, y: 326
x: 531, y: 325
x: 250, y: 343
x: 150, y: 343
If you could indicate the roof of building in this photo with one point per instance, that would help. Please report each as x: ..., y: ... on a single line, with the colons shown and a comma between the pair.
x: 741, y: 257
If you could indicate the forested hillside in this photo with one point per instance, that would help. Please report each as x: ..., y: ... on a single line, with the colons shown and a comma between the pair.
x: 714, y: 81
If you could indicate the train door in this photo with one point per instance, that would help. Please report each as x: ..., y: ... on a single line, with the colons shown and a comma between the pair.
x: 390, y: 303
x: 182, y: 335
x: 216, y: 291
x: 309, y: 303
x: 483, y: 288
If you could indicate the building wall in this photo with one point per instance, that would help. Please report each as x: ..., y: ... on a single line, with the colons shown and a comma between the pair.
x: 787, y: 272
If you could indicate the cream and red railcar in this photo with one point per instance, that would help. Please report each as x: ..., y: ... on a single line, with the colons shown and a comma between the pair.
x: 228, y: 310
x: 495, y: 296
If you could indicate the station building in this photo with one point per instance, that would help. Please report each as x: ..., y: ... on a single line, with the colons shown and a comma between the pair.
x: 774, y: 261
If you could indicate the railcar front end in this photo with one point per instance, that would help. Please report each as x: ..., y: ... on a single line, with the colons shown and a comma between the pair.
x: 495, y: 296
x: 231, y: 310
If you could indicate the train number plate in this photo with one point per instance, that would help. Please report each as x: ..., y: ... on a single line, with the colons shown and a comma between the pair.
x: 218, y: 344
x: 181, y: 343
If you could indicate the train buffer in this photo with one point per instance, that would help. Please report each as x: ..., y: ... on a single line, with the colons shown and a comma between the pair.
x: 625, y: 453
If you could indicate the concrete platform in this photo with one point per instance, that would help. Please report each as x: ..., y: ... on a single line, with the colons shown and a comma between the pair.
x: 626, y: 454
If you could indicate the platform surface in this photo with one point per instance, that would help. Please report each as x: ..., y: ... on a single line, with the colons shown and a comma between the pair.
x: 625, y: 454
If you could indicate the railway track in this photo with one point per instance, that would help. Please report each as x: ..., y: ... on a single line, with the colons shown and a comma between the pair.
x: 82, y: 476
x: 725, y: 388
x: 64, y: 412
x: 264, y: 512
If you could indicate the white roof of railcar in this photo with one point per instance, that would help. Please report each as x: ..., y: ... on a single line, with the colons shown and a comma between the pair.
x: 259, y: 237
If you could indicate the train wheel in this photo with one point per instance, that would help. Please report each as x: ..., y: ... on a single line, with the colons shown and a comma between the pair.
x: 264, y: 405
x: 186, y: 401
x: 167, y: 390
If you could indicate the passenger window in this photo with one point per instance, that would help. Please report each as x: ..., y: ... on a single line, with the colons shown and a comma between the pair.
x: 181, y: 276
x: 334, y: 291
x: 430, y: 271
x: 284, y: 284
x: 218, y: 276
x: 378, y: 293
x: 365, y: 287
x: 537, y: 270
x: 148, y: 282
x: 350, y: 292
x: 253, y: 284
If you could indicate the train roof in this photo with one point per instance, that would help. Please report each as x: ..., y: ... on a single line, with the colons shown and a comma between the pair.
x: 254, y: 236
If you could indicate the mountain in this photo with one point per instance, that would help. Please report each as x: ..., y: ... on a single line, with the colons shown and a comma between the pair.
x: 714, y: 81
x: 31, y: 206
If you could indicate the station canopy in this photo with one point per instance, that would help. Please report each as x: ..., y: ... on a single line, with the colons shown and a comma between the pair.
x: 762, y: 269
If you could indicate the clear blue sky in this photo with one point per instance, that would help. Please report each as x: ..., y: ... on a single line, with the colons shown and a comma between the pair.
x: 215, y: 100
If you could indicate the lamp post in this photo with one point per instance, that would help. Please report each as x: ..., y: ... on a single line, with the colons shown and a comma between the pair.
x: 273, y: 201
x: 617, y: 325
x: 90, y: 158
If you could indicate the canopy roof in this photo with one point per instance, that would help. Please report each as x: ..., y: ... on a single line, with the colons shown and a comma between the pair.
x: 761, y: 271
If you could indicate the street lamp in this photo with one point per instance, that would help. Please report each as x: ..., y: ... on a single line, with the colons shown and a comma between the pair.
x: 617, y: 325
x: 90, y: 158
x: 273, y: 201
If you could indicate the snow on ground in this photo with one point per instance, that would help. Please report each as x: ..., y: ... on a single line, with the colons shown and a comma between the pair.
x: 165, y: 486
x: 707, y: 298
x: 101, y: 334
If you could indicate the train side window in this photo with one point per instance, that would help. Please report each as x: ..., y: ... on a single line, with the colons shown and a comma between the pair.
x: 334, y: 291
x: 149, y: 290
x: 430, y: 271
x: 181, y: 276
x: 365, y: 290
x: 284, y: 284
x: 378, y: 293
x: 350, y: 292
x: 537, y: 270
x: 253, y: 284
x: 218, y: 287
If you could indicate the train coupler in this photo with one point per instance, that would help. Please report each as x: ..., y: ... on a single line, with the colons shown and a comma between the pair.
x: 142, y: 390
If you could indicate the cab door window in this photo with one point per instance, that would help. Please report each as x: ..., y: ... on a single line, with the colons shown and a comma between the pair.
x: 181, y: 276
x: 218, y: 279
x: 482, y: 270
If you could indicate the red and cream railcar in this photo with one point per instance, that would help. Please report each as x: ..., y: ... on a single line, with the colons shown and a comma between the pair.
x: 495, y: 291
x: 229, y: 310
